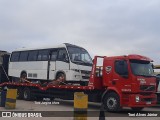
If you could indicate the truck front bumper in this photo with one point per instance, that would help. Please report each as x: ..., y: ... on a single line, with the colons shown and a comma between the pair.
x: 137, y: 100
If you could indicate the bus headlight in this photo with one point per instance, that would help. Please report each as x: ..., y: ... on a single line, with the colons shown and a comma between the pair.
x: 137, y: 98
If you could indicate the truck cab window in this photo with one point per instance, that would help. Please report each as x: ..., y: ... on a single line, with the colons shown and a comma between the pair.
x: 142, y: 68
x: 121, y: 67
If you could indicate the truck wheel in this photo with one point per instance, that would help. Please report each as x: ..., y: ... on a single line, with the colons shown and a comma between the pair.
x: 27, y: 94
x: 19, y: 93
x: 137, y: 108
x: 112, y: 102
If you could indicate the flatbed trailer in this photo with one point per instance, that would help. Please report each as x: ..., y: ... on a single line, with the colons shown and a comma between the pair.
x: 33, y: 90
x: 114, y: 89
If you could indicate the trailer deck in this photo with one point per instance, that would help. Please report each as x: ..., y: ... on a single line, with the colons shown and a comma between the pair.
x: 71, y: 87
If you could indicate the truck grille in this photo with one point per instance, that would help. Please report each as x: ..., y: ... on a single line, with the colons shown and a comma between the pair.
x: 147, y: 87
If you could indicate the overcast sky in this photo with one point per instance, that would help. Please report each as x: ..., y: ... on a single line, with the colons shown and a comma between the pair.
x: 103, y: 27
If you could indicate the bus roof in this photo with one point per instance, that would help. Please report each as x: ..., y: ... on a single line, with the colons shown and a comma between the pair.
x: 46, y: 47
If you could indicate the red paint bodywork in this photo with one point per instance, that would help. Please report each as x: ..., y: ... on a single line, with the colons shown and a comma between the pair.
x: 127, y: 88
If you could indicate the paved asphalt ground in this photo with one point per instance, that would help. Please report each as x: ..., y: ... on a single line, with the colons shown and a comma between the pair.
x: 64, y: 106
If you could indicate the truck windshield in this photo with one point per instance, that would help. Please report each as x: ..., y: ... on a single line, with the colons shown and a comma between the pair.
x: 79, y: 56
x: 142, y: 68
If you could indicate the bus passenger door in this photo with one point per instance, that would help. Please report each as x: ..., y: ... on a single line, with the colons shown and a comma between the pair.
x: 62, y: 62
x: 52, y: 64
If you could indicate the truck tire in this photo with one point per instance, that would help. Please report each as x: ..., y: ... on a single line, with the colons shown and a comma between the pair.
x: 19, y: 93
x: 111, y: 102
x: 137, y: 108
x: 27, y: 94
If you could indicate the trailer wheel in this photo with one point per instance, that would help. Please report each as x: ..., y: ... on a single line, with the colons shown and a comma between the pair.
x: 137, y: 108
x: 112, y: 102
x: 19, y: 93
x: 27, y: 94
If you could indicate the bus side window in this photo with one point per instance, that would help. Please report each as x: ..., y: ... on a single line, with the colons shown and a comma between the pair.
x: 15, y: 56
x: 32, y: 56
x: 62, y: 55
x: 23, y: 56
x: 43, y: 55
x: 54, y: 56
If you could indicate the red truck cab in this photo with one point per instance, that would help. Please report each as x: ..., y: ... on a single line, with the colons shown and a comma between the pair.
x: 128, y: 81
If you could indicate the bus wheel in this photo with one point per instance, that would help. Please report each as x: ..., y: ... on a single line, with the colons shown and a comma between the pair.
x: 19, y: 93
x: 23, y: 75
x: 27, y: 94
x: 60, y: 75
x: 137, y: 108
x: 112, y: 102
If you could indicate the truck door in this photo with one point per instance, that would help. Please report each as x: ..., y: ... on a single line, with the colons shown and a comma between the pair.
x: 120, y: 78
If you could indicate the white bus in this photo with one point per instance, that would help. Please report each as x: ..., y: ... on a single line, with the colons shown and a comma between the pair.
x: 49, y: 63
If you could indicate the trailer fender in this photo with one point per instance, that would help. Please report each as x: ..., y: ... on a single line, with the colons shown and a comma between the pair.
x: 111, y: 89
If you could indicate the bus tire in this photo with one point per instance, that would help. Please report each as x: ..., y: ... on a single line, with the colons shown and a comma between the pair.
x: 59, y: 75
x: 27, y: 94
x: 111, y: 102
x: 137, y: 108
x: 23, y: 75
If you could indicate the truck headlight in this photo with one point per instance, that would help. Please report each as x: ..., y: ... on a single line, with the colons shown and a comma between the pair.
x: 137, y: 98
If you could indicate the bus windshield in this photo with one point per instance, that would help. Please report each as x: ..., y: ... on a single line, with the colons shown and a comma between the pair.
x: 141, y: 68
x: 79, y: 56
